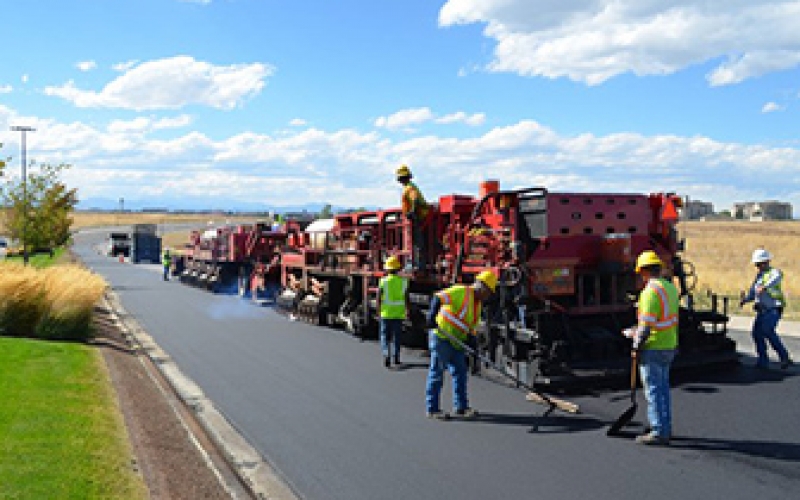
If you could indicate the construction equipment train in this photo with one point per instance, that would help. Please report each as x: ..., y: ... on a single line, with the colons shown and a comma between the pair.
x: 565, y: 262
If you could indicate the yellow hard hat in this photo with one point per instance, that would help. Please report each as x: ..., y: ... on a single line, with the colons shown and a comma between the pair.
x: 488, y: 278
x: 392, y: 263
x: 647, y: 258
x: 403, y: 171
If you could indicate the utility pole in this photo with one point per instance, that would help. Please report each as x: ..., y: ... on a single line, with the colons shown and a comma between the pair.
x: 24, y: 130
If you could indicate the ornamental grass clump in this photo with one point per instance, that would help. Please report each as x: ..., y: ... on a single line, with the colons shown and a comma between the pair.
x: 21, y: 299
x: 70, y: 294
x: 52, y: 303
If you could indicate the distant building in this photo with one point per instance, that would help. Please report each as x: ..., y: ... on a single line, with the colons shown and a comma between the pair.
x: 696, y: 209
x: 762, y: 210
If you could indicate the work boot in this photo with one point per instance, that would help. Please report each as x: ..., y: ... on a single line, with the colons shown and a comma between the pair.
x: 652, y: 439
x: 438, y: 415
x: 467, y: 413
x: 786, y: 363
x: 387, y: 362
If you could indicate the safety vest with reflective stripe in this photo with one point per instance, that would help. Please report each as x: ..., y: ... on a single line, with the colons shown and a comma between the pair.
x: 659, y: 307
x: 414, y: 201
x: 771, y: 280
x: 459, y: 313
x: 393, y: 296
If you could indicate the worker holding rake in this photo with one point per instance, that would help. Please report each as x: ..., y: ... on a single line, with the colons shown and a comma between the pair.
x: 453, y: 316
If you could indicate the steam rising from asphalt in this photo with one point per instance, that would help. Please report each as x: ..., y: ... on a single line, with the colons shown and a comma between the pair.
x: 233, y: 308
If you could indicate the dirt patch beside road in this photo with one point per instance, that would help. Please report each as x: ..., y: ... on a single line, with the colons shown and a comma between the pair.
x: 168, y: 456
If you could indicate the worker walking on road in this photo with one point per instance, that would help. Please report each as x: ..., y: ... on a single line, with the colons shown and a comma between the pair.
x: 655, y: 340
x: 166, y: 261
x: 416, y: 211
x: 769, y: 303
x: 393, y: 306
x: 454, y: 314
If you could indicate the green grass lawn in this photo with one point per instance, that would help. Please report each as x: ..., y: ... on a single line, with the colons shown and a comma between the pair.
x: 40, y: 259
x: 61, y: 433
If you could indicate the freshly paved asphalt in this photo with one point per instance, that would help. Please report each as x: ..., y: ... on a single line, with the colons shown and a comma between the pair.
x: 320, y: 407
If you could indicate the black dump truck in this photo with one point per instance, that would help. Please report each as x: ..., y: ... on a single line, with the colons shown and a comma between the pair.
x: 140, y: 244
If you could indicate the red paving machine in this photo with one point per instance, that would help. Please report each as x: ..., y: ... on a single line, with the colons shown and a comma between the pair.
x: 242, y: 257
x: 566, y: 265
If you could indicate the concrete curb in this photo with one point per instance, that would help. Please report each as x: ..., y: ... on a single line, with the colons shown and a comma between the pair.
x: 263, y: 481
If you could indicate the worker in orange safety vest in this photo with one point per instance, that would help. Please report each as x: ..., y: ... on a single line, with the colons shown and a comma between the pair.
x: 454, y: 313
x: 416, y: 210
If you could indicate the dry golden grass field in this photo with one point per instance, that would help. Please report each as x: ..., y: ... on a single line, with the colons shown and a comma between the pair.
x: 721, y: 251
x: 94, y: 219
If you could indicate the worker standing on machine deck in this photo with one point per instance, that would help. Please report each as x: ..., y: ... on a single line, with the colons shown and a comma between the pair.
x: 655, y: 339
x: 416, y: 210
x: 393, y: 306
x: 166, y: 261
x: 767, y: 293
x: 454, y: 312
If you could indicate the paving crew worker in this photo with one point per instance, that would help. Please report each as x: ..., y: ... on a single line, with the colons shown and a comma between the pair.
x: 655, y: 340
x: 454, y: 312
x: 416, y: 211
x: 393, y: 306
x: 769, y: 303
x: 166, y: 261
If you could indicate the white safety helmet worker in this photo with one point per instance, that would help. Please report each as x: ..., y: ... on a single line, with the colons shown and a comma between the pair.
x: 760, y: 255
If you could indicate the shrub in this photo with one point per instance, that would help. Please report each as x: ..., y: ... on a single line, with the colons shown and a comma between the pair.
x: 52, y: 303
x: 21, y: 299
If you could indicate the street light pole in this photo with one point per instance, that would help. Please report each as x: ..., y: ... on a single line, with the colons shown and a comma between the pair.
x: 24, y: 130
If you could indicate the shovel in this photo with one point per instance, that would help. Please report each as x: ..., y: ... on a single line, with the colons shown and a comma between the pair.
x: 626, y: 417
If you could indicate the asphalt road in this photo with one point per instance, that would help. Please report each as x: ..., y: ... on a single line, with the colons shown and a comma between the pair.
x: 319, y: 405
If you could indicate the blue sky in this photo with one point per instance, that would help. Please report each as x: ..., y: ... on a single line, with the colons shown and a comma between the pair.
x: 265, y: 103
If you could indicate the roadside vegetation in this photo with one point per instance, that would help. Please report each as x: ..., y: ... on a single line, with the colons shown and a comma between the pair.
x: 721, y: 252
x: 50, y: 303
x: 61, y: 433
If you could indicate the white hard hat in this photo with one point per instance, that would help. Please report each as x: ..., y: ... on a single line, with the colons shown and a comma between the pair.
x: 761, y: 255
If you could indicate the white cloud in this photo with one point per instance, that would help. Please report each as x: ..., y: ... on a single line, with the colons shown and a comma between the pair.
x: 353, y: 168
x: 143, y: 124
x: 124, y: 66
x: 171, y: 84
x: 771, y: 107
x: 6, y: 89
x: 473, y: 120
x: 24, y: 78
x: 297, y: 122
x: 593, y: 40
x: 86, y: 65
x: 407, y: 119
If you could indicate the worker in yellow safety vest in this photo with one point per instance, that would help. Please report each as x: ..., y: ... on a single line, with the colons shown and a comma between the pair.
x: 166, y: 262
x: 655, y: 340
x: 393, y: 306
x: 454, y: 314
x: 767, y: 293
x: 416, y: 210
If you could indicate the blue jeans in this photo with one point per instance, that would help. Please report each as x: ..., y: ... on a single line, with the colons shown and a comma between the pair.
x: 654, y: 368
x: 444, y: 355
x: 391, y: 330
x: 764, y: 330
x: 166, y: 273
